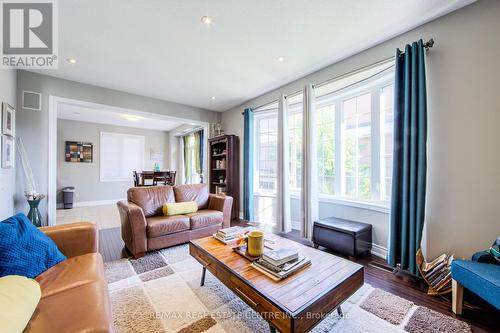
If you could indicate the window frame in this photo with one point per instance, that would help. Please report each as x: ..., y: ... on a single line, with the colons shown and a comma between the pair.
x: 373, y: 86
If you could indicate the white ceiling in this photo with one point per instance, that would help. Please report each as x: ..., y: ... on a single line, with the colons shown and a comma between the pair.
x: 93, y: 113
x: 160, y: 48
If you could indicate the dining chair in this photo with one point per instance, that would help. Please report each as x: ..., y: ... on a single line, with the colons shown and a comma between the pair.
x: 136, y: 179
x: 170, y: 178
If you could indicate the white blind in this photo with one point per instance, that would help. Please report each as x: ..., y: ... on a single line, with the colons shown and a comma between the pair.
x: 120, y: 155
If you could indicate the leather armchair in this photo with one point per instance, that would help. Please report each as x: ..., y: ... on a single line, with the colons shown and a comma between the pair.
x: 144, y: 228
x: 75, y: 294
x: 74, y: 239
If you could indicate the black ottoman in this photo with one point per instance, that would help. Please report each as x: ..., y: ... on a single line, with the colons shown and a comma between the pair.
x: 346, y: 237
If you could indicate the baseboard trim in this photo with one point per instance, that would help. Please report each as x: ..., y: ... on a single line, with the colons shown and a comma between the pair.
x: 91, y: 203
x: 379, y: 251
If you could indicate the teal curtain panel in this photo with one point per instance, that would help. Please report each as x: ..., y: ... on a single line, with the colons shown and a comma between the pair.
x: 248, y: 166
x: 410, y: 157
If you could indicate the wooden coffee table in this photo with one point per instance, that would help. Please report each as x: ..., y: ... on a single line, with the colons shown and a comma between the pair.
x: 295, y: 304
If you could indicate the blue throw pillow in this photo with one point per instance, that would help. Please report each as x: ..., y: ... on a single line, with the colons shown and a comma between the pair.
x: 25, y: 250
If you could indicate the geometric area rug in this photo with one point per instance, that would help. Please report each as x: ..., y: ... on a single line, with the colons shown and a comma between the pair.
x: 161, y: 292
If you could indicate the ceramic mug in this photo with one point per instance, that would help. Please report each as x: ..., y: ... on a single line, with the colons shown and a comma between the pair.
x: 255, y: 243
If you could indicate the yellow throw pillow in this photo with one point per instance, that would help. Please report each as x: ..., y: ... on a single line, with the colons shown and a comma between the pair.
x: 19, y: 297
x: 179, y: 208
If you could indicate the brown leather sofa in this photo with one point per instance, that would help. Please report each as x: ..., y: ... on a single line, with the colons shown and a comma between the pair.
x: 145, y: 228
x: 75, y: 294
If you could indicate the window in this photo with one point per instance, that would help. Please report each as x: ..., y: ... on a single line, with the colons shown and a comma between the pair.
x: 354, y: 122
x: 192, y: 176
x: 266, y: 143
x: 266, y: 149
x: 120, y: 154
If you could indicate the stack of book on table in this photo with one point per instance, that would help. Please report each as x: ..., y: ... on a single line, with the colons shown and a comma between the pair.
x: 438, y: 272
x: 281, y: 263
x: 230, y: 235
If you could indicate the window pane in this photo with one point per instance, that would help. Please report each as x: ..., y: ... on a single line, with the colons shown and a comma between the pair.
x: 266, y: 152
x: 326, y: 148
x: 386, y: 139
x: 356, y: 142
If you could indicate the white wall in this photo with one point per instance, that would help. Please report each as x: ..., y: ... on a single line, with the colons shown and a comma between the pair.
x: 463, y: 76
x: 86, y: 176
x: 7, y: 176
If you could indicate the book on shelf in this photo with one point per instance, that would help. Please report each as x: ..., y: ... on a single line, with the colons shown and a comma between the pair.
x: 435, y: 271
x: 280, y: 256
x: 438, y: 272
x: 277, y: 276
x: 438, y: 277
x: 430, y: 265
x: 442, y: 282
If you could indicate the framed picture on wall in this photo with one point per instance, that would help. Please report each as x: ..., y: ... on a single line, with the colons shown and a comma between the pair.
x: 8, y: 119
x: 7, y: 152
x: 81, y: 152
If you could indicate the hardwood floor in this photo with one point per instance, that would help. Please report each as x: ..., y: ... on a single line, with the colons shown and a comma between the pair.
x: 479, y: 315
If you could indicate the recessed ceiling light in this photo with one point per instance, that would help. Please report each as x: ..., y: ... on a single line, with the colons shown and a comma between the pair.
x: 72, y: 61
x: 280, y: 59
x: 212, y: 98
x: 132, y: 118
x: 207, y: 20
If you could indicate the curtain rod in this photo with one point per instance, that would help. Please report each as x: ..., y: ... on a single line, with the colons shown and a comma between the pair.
x: 427, y: 45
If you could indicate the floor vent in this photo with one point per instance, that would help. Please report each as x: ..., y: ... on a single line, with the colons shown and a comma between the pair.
x: 382, y: 267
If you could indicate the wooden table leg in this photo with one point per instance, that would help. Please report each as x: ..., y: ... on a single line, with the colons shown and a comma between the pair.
x: 457, y: 291
x: 203, y: 272
x: 339, y: 311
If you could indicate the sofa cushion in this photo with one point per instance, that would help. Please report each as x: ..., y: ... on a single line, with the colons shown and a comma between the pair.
x: 151, y: 199
x: 480, y: 278
x: 71, y: 273
x: 205, y: 218
x: 24, y: 249
x: 19, y: 297
x: 192, y: 192
x: 164, y: 225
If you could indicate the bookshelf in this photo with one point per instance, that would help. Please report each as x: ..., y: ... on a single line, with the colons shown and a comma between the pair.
x: 224, y: 152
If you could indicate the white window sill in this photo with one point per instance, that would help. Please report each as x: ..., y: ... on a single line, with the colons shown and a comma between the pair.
x: 373, y: 206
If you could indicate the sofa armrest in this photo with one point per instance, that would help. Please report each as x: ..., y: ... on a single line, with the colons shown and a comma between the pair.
x: 223, y: 204
x: 133, y: 227
x: 74, y: 239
